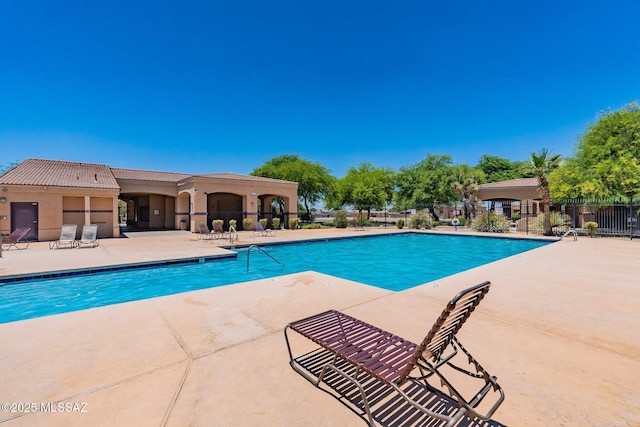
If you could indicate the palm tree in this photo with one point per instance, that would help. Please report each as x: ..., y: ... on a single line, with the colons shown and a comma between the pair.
x: 541, y: 164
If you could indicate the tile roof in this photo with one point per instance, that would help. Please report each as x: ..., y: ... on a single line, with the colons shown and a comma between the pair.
x: 89, y: 175
x: 141, y: 175
x: 511, y: 183
x: 239, y: 177
x: 60, y: 174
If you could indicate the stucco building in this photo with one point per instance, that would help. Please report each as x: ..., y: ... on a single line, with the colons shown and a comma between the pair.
x: 513, y: 195
x: 44, y: 194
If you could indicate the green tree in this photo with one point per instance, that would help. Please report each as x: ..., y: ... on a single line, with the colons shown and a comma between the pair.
x: 606, y: 160
x: 426, y: 184
x: 315, y: 181
x: 498, y: 169
x: 542, y: 164
x: 466, y: 180
x: 365, y: 187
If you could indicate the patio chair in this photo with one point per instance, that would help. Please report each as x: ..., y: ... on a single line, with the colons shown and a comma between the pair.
x: 261, y: 231
x: 13, y: 239
x: 67, y: 237
x: 89, y: 236
x: 218, y: 231
x: 379, y: 364
x: 203, y: 232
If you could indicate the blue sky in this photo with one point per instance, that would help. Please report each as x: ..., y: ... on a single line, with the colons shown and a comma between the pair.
x: 223, y: 86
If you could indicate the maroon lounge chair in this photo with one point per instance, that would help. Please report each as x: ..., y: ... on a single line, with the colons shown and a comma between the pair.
x: 261, y: 231
x: 218, y: 231
x: 372, y: 359
x: 204, y: 233
x: 13, y: 239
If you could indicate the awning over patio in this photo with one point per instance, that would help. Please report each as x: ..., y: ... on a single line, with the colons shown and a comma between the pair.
x: 513, y: 189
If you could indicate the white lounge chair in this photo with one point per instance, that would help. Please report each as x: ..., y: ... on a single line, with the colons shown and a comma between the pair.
x: 67, y: 237
x: 89, y: 236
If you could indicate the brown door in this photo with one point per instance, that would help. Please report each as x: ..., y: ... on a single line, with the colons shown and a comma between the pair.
x: 25, y: 214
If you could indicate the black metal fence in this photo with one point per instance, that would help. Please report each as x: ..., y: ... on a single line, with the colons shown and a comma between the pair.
x: 617, y: 218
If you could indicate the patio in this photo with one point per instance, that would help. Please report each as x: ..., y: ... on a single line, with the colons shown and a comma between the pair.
x: 560, y: 329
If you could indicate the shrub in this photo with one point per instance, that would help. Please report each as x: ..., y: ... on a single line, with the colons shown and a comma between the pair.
x: 559, y: 223
x: 362, y: 220
x: 247, y: 223
x: 233, y: 223
x: 400, y: 224
x: 515, y: 216
x: 420, y: 220
x: 263, y: 221
x: 312, y: 226
x: 217, y: 221
x: 293, y: 223
x: 591, y: 228
x: 491, y: 223
x: 340, y: 220
x: 276, y: 223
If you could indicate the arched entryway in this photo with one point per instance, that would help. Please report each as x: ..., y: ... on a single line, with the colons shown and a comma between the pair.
x: 225, y: 206
x: 272, y: 206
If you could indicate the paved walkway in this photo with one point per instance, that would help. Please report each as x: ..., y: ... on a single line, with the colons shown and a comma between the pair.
x: 560, y: 328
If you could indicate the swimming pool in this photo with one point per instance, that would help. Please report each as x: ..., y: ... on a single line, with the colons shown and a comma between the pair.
x: 395, y: 262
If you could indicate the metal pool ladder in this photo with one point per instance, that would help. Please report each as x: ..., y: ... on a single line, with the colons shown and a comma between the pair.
x: 259, y: 249
x: 232, y: 233
x: 571, y: 231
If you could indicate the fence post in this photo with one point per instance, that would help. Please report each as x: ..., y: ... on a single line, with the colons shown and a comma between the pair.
x: 631, y: 216
x: 526, y: 223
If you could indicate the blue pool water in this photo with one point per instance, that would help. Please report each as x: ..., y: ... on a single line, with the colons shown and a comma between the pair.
x: 394, y: 262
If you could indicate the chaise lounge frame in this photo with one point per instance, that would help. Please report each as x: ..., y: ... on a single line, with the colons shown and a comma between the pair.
x: 394, y: 361
x: 89, y: 237
x: 264, y: 232
x: 12, y: 240
x: 67, y: 237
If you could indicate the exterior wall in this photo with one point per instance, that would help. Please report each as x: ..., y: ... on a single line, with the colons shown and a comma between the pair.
x: 183, y: 209
x: 102, y: 215
x: 250, y: 190
x: 61, y: 205
x: 147, y: 187
x: 157, y: 212
x: 179, y: 205
x: 72, y: 213
x: 49, y: 208
x: 170, y: 212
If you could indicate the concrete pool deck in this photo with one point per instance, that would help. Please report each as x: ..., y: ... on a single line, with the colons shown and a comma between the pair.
x: 560, y: 329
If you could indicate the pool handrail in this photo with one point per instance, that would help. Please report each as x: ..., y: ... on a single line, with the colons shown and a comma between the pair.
x: 260, y: 250
x: 570, y: 231
x: 232, y: 232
